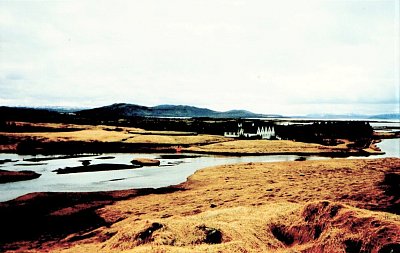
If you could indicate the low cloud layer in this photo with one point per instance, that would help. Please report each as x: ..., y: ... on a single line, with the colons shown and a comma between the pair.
x: 290, y: 57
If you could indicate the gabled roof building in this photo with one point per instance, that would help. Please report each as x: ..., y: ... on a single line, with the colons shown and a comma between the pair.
x: 252, y: 130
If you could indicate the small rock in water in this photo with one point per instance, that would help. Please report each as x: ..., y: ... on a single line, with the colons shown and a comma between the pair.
x: 145, y: 162
x: 105, y: 157
x: 85, y: 162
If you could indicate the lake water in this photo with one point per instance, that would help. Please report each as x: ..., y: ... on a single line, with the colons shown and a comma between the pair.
x: 391, y: 147
x: 388, y: 124
x: 170, y: 172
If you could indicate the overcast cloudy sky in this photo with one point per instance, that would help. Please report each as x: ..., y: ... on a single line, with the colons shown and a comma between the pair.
x: 288, y: 57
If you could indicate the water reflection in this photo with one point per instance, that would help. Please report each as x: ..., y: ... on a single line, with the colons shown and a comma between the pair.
x: 170, y: 172
x: 391, y: 147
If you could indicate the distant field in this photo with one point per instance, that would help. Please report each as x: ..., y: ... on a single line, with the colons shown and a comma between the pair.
x: 201, y: 143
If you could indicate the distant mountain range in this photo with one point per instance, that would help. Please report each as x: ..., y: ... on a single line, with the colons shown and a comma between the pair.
x: 131, y: 110
x: 390, y: 116
x: 122, y: 110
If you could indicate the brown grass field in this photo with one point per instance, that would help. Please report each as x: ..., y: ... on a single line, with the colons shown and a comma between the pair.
x: 337, y: 205
x: 100, y: 133
x: 265, y: 146
x: 203, y: 143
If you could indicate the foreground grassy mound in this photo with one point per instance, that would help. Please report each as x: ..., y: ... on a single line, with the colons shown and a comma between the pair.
x: 322, y: 226
x: 336, y: 205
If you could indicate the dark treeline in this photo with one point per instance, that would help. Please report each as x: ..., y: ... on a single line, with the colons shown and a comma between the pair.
x: 199, y: 125
x: 30, y: 115
x: 327, y: 132
x: 324, y: 132
x: 12, y: 127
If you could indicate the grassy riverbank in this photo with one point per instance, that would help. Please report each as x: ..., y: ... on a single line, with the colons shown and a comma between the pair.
x: 67, y: 138
x: 320, y: 206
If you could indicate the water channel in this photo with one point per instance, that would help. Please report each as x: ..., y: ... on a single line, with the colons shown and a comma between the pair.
x: 170, y: 172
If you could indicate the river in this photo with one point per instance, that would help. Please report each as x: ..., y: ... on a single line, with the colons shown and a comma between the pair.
x: 170, y: 171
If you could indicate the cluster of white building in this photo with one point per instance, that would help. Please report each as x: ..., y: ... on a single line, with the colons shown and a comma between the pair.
x: 264, y: 132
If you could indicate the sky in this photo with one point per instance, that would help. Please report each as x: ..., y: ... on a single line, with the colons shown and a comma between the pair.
x: 274, y: 57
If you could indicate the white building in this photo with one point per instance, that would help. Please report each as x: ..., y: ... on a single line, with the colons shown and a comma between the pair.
x: 264, y: 132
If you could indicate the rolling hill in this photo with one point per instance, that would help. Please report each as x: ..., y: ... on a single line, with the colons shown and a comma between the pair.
x: 131, y: 110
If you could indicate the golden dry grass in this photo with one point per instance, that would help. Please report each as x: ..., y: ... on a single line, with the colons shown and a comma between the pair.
x: 88, y: 133
x: 264, y: 146
x: 201, y: 143
x: 50, y: 125
x: 94, y: 134
x: 257, y: 207
x: 386, y: 135
x: 321, y: 226
x: 109, y: 134
x: 310, y: 206
x: 176, y: 140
